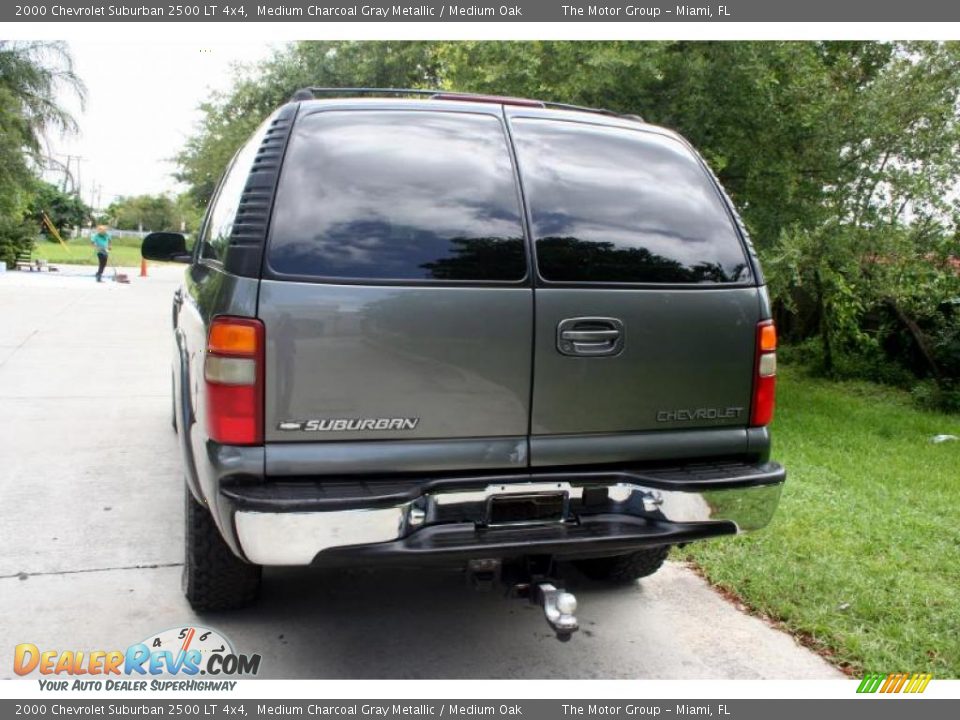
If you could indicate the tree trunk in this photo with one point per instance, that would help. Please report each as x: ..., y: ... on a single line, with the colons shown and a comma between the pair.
x: 823, y: 325
x: 919, y: 338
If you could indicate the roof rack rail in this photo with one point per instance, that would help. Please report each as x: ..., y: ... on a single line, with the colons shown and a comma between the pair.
x: 597, y: 111
x: 309, y: 93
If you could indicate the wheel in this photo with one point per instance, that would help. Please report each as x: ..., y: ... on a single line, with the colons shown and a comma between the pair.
x: 625, y: 568
x: 213, y: 577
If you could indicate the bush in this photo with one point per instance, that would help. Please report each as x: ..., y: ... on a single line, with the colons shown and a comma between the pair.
x: 944, y: 397
x: 946, y: 343
x: 16, y: 236
x: 869, y: 363
x: 807, y: 353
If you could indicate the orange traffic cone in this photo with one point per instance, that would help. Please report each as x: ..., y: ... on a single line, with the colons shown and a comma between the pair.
x: 143, y: 267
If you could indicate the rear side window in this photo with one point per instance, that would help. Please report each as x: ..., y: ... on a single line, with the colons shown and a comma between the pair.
x: 623, y: 206
x: 216, y: 234
x: 398, y: 196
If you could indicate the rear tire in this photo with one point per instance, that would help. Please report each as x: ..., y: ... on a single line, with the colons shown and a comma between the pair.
x: 625, y: 568
x: 213, y: 577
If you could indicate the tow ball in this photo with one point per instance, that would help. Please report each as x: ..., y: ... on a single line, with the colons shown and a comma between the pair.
x: 532, y: 580
x: 559, y: 607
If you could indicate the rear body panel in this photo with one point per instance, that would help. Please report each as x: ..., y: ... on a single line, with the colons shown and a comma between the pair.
x: 685, y: 361
x: 454, y: 360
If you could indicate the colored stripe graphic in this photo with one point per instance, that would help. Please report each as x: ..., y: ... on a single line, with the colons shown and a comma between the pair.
x: 894, y: 683
x: 871, y: 683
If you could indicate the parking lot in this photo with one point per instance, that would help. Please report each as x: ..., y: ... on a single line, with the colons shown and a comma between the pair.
x: 91, y: 553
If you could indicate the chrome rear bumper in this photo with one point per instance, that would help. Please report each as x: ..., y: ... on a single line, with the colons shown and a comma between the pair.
x: 613, y: 510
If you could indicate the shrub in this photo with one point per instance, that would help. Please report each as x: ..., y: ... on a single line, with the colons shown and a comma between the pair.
x: 944, y: 397
x: 16, y: 236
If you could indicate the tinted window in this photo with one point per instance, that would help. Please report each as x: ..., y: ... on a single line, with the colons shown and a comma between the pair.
x: 399, y: 196
x: 216, y: 233
x: 616, y: 205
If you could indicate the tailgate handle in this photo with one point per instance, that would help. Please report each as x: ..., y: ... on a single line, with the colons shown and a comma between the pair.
x: 590, y: 336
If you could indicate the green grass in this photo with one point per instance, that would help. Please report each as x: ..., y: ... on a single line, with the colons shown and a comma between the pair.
x: 79, y: 251
x: 862, y: 559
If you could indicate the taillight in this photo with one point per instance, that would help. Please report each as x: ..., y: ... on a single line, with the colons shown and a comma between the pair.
x: 765, y: 375
x: 233, y: 371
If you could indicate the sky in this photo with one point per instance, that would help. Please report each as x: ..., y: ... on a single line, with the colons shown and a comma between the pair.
x: 141, y: 106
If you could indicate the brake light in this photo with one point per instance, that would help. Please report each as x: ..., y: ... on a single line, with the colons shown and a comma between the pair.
x: 233, y: 372
x: 765, y: 375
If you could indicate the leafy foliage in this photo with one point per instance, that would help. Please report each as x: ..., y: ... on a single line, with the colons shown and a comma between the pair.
x: 31, y: 73
x: 16, y: 236
x: 229, y: 119
x: 65, y: 210
x: 153, y: 212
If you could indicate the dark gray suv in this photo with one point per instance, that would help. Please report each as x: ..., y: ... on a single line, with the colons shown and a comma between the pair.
x: 483, y: 330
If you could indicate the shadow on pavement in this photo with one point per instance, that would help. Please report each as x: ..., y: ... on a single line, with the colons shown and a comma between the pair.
x: 411, y: 623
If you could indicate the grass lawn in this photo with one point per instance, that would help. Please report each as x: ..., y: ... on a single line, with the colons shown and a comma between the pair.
x: 79, y: 251
x: 862, y: 559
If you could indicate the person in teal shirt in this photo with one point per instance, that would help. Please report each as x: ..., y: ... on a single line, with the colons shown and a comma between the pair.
x: 101, y: 244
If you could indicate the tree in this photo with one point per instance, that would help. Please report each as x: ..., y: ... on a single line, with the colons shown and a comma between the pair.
x: 230, y: 118
x: 154, y: 212
x: 146, y: 212
x: 31, y: 73
x: 65, y: 210
x: 881, y: 234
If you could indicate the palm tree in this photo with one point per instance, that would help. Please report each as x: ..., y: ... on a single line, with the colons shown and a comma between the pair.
x: 31, y: 75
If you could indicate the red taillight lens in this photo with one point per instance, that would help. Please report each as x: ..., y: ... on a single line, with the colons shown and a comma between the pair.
x: 233, y: 371
x: 764, y: 375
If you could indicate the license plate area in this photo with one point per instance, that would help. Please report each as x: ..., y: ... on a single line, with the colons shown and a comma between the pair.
x: 526, y: 509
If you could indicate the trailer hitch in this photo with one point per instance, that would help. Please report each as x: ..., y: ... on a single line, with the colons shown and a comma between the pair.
x: 559, y: 607
x: 535, y: 579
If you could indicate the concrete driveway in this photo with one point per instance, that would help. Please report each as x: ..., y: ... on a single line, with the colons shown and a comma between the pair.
x: 91, y: 500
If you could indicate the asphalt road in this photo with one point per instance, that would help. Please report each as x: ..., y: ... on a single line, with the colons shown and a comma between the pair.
x: 91, y: 536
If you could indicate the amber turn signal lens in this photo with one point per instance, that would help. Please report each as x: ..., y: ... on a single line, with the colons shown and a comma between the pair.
x: 232, y: 338
x: 768, y: 338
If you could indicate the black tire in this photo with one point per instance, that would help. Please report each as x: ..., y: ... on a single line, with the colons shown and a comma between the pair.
x: 625, y: 568
x: 213, y: 577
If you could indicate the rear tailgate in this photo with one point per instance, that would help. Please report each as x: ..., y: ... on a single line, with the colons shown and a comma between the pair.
x: 646, y: 307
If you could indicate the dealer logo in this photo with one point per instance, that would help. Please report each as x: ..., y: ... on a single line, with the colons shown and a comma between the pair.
x: 178, y: 652
x: 894, y: 683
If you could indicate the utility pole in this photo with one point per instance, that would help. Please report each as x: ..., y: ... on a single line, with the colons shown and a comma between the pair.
x: 95, y: 188
x: 66, y: 172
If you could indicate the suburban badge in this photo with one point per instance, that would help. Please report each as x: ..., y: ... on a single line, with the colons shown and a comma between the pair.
x: 349, y: 424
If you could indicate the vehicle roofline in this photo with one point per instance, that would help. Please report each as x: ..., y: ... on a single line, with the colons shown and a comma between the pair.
x: 449, y: 104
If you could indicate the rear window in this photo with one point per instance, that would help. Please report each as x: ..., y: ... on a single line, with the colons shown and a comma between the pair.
x: 619, y: 205
x: 398, y: 196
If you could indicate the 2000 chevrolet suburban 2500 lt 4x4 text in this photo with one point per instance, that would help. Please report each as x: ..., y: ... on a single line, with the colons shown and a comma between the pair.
x: 490, y: 331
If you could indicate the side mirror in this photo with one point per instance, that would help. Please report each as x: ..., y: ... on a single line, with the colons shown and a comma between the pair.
x: 165, y: 247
